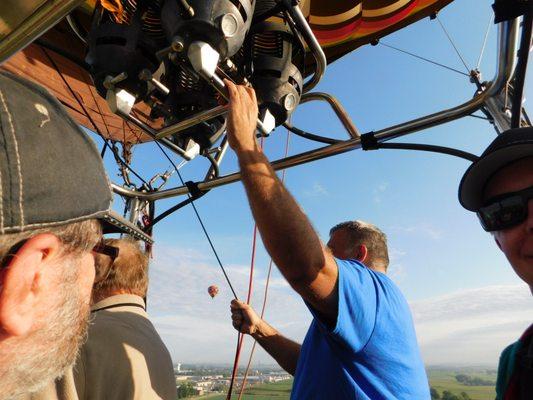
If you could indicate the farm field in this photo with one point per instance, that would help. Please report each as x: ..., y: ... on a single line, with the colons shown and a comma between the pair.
x: 440, y: 378
x: 277, y: 391
x: 444, y: 379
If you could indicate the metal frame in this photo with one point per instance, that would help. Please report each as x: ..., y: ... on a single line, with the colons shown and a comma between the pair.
x: 303, y: 27
x: 507, y: 50
x: 485, y: 99
x: 337, y: 108
x: 45, y: 17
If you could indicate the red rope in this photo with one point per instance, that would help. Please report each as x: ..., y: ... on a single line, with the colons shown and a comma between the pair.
x: 265, y: 296
x: 240, y: 336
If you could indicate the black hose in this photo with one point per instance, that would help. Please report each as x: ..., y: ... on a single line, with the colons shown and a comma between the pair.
x: 430, y: 148
x: 171, y: 210
x: 310, y: 136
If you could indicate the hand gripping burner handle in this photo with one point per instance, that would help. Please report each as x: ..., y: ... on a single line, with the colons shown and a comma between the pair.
x: 204, y: 59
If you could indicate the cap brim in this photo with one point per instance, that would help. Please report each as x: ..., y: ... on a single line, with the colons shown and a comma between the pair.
x: 476, y: 177
x: 113, y: 223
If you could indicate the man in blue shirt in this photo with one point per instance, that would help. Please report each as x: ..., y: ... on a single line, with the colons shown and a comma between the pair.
x: 361, y: 343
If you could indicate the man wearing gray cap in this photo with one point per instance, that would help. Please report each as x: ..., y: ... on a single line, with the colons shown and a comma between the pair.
x: 54, y: 204
x: 499, y: 188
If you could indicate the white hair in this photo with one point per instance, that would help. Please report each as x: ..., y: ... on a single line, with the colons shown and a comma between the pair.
x: 29, y: 363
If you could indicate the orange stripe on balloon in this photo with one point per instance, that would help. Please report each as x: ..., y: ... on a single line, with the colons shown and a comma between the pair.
x: 360, y: 28
x: 337, y: 34
x: 385, y: 23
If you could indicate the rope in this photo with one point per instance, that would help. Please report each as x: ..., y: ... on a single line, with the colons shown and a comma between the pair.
x: 248, y: 298
x: 267, y: 284
x: 423, y: 58
x: 484, y: 43
x: 240, y: 339
x: 80, y: 103
x: 199, y: 220
x: 240, y: 336
x: 453, y: 44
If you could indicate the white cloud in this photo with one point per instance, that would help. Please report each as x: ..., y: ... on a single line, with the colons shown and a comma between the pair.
x: 396, y: 254
x: 197, y: 328
x: 316, y: 191
x: 379, y: 190
x: 419, y: 229
x: 466, y: 327
x: 396, y: 271
x: 472, y: 326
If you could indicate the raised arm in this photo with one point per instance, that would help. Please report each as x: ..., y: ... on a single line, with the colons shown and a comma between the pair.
x: 285, y: 351
x: 287, y: 233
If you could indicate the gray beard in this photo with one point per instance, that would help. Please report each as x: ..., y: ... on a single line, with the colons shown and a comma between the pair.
x: 44, y: 355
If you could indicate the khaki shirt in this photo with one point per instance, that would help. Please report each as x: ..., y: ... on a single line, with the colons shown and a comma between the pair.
x: 124, y: 358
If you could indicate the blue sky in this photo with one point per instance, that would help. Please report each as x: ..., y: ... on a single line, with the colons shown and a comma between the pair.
x: 441, y: 258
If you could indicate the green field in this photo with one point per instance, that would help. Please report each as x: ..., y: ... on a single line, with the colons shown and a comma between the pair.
x: 277, y: 391
x: 440, y: 379
x: 444, y: 379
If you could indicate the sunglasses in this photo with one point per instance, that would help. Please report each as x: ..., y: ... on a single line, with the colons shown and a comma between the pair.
x: 506, y: 210
x: 104, y: 259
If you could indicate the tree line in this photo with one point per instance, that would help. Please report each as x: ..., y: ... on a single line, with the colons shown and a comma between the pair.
x: 447, y: 395
x: 468, y: 380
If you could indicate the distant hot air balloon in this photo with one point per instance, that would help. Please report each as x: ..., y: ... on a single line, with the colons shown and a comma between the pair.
x: 212, y: 290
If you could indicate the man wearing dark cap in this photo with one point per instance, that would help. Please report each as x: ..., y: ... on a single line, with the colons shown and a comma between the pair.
x: 499, y: 188
x: 54, y: 204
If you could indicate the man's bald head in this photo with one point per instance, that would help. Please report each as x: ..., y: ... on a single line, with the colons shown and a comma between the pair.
x: 347, y: 237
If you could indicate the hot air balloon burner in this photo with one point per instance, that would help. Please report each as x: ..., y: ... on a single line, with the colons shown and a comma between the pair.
x: 223, y: 24
x: 172, y: 55
x: 124, y: 40
x: 276, y: 64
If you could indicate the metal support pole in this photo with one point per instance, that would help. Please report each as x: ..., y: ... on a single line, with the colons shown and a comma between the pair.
x: 337, y: 107
x: 299, y: 19
x: 37, y: 23
x: 150, y: 132
x: 134, y: 205
x: 191, y: 121
x: 506, y: 56
x: 218, y: 158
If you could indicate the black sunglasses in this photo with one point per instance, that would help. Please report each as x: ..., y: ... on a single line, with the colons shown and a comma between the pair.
x: 107, y: 256
x: 506, y: 210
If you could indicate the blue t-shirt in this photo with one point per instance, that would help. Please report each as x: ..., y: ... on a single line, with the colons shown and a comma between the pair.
x: 371, y: 352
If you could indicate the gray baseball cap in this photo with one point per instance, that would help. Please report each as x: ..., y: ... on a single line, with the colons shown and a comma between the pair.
x: 51, y: 172
x: 509, y: 146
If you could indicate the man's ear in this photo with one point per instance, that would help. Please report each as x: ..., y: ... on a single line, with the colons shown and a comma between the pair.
x: 361, y: 253
x: 24, y: 282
